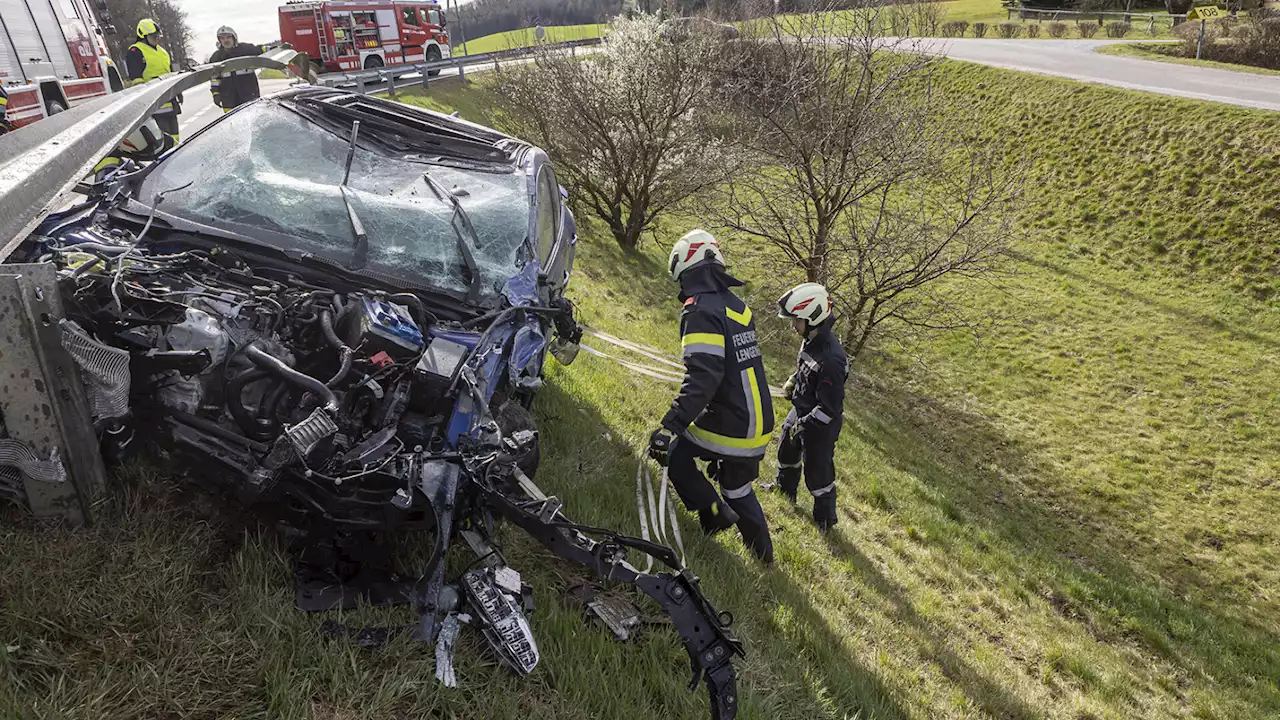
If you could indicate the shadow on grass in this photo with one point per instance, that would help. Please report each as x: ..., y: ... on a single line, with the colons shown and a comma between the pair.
x: 983, y: 690
x: 807, y: 672
x: 1096, y: 575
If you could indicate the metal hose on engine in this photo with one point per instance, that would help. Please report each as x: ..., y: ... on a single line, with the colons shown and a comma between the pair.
x: 254, y: 428
x: 277, y: 367
x: 345, y: 353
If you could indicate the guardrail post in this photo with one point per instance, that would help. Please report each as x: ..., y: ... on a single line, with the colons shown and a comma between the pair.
x: 426, y: 80
x: 462, y: 74
x: 360, y: 85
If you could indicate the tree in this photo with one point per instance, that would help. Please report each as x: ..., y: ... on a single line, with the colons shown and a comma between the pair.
x: 853, y: 172
x: 175, y: 32
x: 629, y: 127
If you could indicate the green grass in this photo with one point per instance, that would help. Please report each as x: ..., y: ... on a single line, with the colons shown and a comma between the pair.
x: 1167, y: 52
x: 1074, y: 517
x: 272, y: 74
x: 991, y: 12
x: 525, y: 38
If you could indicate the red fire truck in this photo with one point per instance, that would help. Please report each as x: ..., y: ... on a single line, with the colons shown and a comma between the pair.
x: 52, y: 56
x: 345, y: 36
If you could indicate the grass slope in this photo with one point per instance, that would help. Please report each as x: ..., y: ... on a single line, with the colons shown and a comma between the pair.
x: 525, y: 38
x: 1074, y: 518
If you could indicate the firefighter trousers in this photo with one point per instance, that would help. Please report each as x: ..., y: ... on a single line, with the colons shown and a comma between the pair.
x: 812, y: 448
x: 735, y: 476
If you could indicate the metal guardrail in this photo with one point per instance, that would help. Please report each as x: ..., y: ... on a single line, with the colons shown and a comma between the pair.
x: 1042, y: 14
x: 419, y: 74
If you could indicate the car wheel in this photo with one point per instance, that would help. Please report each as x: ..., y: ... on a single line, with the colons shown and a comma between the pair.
x: 433, y: 55
x: 55, y: 106
x: 373, y: 62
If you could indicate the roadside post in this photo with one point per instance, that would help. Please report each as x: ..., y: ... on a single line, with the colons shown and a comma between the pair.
x: 1204, y: 15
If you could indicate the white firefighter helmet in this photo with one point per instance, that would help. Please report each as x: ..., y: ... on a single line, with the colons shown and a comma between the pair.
x: 695, y: 248
x: 226, y: 30
x: 146, y: 141
x: 808, y: 301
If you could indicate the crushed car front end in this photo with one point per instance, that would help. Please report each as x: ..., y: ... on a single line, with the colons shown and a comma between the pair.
x: 337, y: 310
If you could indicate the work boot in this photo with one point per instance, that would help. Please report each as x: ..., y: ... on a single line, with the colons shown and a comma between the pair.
x: 824, y: 512
x: 717, y: 518
x: 753, y: 527
x: 790, y: 495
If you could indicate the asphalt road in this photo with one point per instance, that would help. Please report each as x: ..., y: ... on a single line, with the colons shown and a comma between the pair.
x: 1077, y: 60
x: 198, y: 109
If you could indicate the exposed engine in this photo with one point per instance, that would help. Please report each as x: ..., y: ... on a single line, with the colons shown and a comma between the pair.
x: 315, y: 396
x: 346, y: 413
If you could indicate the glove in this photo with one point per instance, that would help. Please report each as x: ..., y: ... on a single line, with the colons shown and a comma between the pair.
x: 793, y: 426
x: 660, y: 445
x: 789, y: 388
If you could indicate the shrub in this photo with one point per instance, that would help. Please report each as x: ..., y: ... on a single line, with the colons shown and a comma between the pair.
x: 1033, y: 31
x: 1057, y: 29
x: 1253, y: 41
x: 1117, y: 29
x: 955, y: 28
x: 979, y: 29
x: 1088, y: 29
x: 1009, y: 30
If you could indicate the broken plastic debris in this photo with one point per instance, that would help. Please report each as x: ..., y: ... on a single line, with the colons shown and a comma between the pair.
x: 508, y: 579
x: 444, y: 651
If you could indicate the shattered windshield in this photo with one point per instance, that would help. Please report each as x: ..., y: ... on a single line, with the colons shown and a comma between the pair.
x: 266, y: 168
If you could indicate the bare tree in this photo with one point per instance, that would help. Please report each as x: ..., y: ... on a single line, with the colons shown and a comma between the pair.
x: 854, y: 172
x: 628, y: 127
x: 175, y: 33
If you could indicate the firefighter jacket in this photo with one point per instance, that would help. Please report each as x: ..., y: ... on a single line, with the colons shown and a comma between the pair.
x: 235, y: 87
x: 821, y: 371
x: 724, y: 405
x: 143, y: 62
x: 4, y: 111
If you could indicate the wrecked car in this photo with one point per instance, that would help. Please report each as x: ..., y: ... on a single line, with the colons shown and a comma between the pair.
x: 336, y: 310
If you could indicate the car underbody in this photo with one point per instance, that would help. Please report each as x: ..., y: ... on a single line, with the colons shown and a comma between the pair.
x: 343, y: 405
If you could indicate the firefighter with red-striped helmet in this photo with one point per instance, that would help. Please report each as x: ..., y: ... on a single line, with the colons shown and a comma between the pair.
x: 723, y: 414
x: 234, y: 88
x: 816, y: 392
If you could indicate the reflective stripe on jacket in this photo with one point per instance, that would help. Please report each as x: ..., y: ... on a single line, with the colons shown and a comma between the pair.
x: 724, y: 404
x: 235, y: 87
x: 821, y: 371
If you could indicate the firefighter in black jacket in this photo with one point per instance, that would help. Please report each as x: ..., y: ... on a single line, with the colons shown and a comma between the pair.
x: 723, y: 413
x: 234, y: 88
x: 816, y: 392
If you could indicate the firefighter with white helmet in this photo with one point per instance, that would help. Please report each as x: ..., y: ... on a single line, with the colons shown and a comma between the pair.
x: 816, y: 392
x: 146, y: 143
x: 234, y: 87
x: 723, y: 413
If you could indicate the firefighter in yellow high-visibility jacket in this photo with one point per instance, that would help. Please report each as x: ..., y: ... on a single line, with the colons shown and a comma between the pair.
x: 5, y: 125
x: 146, y: 60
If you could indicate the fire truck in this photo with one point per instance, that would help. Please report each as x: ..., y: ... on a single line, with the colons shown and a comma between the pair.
x: 345, y: 36
x: 52, y: 57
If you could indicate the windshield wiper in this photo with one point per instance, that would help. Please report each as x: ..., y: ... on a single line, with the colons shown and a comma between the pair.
x: 360, y: 258
x: 463, y: 230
